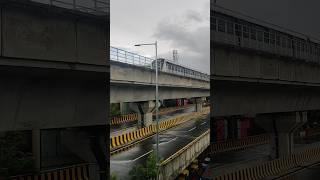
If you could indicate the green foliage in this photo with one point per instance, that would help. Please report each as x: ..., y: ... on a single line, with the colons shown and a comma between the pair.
x: 113, y: 176
x: 149, y: 171
x: 14, y: 159
x: 115, y: 109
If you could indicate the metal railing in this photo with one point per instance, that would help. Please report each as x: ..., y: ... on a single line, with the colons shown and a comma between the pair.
x: 251, y: 36
x: 96, y: 7
x: 120, y: 55
x: 127, y: 57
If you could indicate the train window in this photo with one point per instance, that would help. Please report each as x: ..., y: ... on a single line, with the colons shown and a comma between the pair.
x: 278, y: 40
x: 298, y: 44
x: 272, y: 38
x: 221, y: 25
x: 245, y: 31
x: 283, y: 42
x: 289, y: 43
x: 259, y: 35
x: 253, y: 33
x: 230, y: 29
x: 266, y: 37
x: 238, y: 30
x: 214, y: 23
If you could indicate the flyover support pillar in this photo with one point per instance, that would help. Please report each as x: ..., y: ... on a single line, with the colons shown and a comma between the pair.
x: 124, y: 108
x: 36, y: 148
x: 282, y: 126
x: 199, y: 102
x: 144, y: 110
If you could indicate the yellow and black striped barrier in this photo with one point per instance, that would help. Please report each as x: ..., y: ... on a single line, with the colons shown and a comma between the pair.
x: 76, y: 172
x: 276, y: 167
x: 124, y: 119
x: 134, y: 116
x: 118, y: 142
x: 238, y: 144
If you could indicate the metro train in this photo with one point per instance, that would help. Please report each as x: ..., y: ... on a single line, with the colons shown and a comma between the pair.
x: 252, y: 34
x: 169, y: 66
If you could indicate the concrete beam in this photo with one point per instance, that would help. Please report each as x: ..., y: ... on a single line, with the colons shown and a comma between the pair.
x: 134, y: 93
x: 250, y: 98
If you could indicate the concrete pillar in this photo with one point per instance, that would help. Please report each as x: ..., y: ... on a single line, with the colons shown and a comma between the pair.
x: 282, y: 126
x: 36, y: 148
x: 124, y: 108
x: 144, y: 110
x: 199, y: 102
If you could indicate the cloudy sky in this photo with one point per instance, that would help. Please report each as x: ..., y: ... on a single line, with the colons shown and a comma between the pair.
x: 176, y: 24
x: 297, y: 15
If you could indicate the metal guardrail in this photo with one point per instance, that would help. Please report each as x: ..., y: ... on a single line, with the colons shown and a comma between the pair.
x: 96, y: 7
x: 251, y: 36
x: 127, y: 57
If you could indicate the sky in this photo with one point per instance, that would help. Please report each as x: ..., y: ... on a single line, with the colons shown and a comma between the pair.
x: 183, y: 25
x: 297, y: 15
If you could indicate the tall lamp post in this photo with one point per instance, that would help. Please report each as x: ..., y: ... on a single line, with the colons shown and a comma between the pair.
x: 155, y: 44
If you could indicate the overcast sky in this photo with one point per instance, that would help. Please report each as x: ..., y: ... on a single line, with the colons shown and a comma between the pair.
x: 298, y: 15
x: 176, y: 24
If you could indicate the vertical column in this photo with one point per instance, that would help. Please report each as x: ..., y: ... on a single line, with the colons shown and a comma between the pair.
x: 144, y: 110
x: 199, y: 102
x: 124, y: 108
x: 36, y: 148
x: 282, y: 126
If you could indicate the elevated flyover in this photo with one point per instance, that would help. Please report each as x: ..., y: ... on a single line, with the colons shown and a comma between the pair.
x: 133, y: 81
x: 258, y: 69
x: 263, y: 71
x: 53, y: 72
x: 53, y: 65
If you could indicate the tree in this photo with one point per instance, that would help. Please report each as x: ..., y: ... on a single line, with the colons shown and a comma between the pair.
x: 14, y: 158
x: 149, y: 171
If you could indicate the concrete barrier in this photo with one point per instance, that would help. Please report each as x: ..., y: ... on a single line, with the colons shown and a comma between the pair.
x: 171, y: 167
x: 136, y: 135
x: 75, y: 172
x: 276, y: 167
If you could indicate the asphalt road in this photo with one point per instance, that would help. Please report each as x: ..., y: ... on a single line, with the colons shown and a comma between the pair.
x: 171, y: 141
x: 120, y: 127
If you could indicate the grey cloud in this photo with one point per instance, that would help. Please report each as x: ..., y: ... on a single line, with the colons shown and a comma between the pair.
x: 192, y: 43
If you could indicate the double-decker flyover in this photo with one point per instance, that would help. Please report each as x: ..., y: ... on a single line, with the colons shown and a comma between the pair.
x: 265, y: 72
x: 132, y: 80
x: 53, y: 71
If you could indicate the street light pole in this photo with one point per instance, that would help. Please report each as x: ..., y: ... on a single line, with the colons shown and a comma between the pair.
x: 157, y: 100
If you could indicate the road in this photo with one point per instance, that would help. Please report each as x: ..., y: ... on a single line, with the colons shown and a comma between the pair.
x: 115, y: 129
x: 236, y: 159
x: 171, y: 141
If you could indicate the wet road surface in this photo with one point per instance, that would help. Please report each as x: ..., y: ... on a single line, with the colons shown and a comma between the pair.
x: 171, y: 141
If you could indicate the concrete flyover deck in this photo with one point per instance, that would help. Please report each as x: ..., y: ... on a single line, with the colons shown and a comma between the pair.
x: 53, y: 67
x: 130, y: 83
x: 259, y: 74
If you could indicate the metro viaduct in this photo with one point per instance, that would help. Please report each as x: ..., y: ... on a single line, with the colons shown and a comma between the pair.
x: 276, y: 89
x: 53, y: 66
x: 136, y: 85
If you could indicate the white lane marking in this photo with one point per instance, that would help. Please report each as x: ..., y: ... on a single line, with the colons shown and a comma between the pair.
x: 192, y: 129
x: 168, y: 141
x: 204, y: 123
x: 127, y: 161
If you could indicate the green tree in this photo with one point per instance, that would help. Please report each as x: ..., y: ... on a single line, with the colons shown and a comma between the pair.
x: 113, y: 176
x: 14, y: 158
x: 149, y: 171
